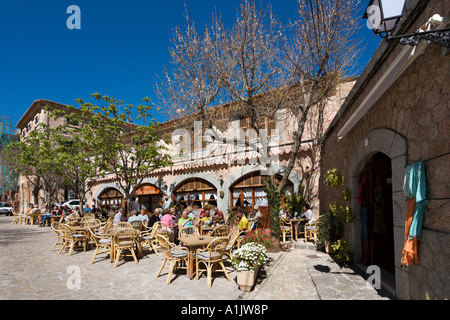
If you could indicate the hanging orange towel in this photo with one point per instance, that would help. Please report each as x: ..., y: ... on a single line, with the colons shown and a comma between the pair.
x: 410, y: 254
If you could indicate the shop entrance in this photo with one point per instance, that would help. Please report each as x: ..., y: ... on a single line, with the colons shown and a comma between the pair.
x: 375, y: 198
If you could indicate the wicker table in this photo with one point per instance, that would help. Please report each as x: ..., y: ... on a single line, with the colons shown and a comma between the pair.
x: 293, y: 223
x: 192, y: 243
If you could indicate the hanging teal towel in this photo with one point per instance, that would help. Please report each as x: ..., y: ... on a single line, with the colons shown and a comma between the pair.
x: 415, y: 187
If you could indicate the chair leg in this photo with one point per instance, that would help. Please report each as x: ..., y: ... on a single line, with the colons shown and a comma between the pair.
x: 134, y: 255
x: 209, y: 272
x: 169, y: 275
x: 118, y: 252
x: 224, y: 270
x: 162, y: 266
x: 54, y: 245
x: 72, y: 245
x: 95, y: 254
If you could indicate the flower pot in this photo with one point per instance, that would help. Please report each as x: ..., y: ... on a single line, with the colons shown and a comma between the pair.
x: 246, y: 279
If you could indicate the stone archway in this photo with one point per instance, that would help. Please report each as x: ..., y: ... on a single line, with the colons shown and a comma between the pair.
x: 394, y: 146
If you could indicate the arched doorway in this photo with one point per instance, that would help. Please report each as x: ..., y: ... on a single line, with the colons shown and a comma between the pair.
x: 111, y: 199
x: 248, y: 192
x: 377, y: 225
x: 149, y: 197
x: 195, y: 192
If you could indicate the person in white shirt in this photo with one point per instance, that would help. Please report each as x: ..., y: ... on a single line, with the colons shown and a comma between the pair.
x: 144, y: 215
x: 134, y: 216
x: 119, y: 216
x: 308, y: 214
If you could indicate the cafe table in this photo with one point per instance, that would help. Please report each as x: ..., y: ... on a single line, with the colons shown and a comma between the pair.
x: 293, y: 223
x: 193, y: 243
x: 205, y: 230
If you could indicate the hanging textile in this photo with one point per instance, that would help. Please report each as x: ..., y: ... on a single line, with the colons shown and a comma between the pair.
x: 414, y: 187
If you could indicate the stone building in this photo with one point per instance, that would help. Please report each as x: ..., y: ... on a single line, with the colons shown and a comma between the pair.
x: 36, y: 115
x: 223, y: 173
x: 397, y: 114
x: 218, y: 172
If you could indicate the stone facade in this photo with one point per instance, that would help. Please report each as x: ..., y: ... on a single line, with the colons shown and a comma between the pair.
x: 223, y: 166
x: 410, y: 122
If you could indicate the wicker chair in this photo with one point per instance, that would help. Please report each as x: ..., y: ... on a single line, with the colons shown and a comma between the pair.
x: 33, y: 218
x: 166, y: 231
x: 17, y: 217
x: 220, y: 231
x: 95, y: 224
x: 59, y: 234
x: 311, y: 230
x: 149, y: 238
x: 105, y: 227
x: 137, y: 225
x: 211, y: 256
x: 234, y: 242
x: 72, y: 238
x: 178, y: 256
x: 102, y: 241
x: 187, y: 231
x: 125, y: 239
x: 286, y: 229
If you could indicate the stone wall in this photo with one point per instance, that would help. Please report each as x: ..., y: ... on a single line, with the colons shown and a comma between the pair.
x: 409, y: 123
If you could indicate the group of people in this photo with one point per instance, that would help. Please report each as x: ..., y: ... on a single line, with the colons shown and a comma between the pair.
x: 170, y: 217
x: 307, y: 213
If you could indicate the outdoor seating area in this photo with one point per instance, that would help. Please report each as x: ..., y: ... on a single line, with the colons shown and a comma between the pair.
x: 196, y: 246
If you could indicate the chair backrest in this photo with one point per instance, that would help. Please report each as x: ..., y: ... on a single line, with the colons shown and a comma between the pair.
x: 66, y: 231
x: 137, y: 225
x: 220, y: 231
x: 234, y: 235
x: 123, y: 225
x: 284, y: 222
x: 124, y: 237
x: 187, y: 231
x: 93, y: 235
x: 217, y: 248
x: 56, y: 227
x: 108, y: 226
x: 165, y: 246
x: 251, y: 223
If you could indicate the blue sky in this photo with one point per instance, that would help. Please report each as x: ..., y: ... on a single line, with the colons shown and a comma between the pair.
x: 120, y: 49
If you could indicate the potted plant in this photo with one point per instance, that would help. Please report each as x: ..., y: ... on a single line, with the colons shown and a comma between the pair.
x: 329, y: 229
x: 246, y: 261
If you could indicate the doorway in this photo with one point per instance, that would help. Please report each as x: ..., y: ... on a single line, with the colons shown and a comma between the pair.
x: 377, y: 225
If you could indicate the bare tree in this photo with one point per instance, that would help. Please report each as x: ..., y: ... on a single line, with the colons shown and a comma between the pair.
x: 259, y: 67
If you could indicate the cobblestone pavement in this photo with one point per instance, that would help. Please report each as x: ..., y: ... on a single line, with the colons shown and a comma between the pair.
x: 30, y: 271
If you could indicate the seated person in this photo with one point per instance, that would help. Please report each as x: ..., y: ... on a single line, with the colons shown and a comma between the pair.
x: 206, y: 220
x: 134, y: 216
x: 308, y: 214
x: 45, y: 217
x: 120, y: 216
x: 185, y: 220
x: 241, y: 220
x: 144, y: 216
x: 218, y: 215
x: 284, y: 213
